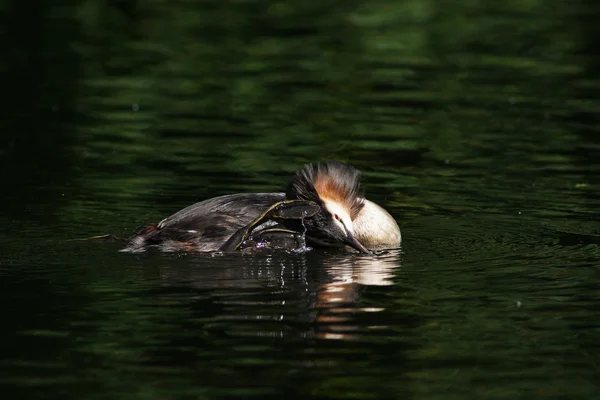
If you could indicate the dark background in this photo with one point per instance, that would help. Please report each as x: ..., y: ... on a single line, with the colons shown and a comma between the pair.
x: 475, y: 124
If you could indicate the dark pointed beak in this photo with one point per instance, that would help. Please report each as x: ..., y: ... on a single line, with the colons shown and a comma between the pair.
x: 351, y: 241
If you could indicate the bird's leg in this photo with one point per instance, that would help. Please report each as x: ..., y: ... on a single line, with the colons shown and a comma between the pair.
x: 286, y: 209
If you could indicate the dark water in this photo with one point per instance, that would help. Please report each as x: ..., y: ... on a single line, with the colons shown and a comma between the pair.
x: 475, y: 124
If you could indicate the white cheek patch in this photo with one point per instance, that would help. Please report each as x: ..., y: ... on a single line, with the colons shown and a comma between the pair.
x: 336, y: 208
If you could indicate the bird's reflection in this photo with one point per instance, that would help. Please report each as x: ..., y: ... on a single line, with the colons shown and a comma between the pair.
x: 313, y: 294
x: 338, y: 298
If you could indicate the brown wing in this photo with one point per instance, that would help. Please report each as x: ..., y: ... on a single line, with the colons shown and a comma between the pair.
x: 206, y: 225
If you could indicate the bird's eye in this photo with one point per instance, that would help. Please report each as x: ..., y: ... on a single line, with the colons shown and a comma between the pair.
x: 336, y: 216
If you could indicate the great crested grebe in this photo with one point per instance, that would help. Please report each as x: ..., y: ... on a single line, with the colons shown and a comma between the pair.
x: 322, y: 204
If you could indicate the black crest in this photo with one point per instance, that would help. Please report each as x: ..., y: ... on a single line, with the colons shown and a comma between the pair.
x: 331, y: 180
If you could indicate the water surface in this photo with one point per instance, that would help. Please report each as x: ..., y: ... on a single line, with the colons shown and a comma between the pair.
x: 475, y: 124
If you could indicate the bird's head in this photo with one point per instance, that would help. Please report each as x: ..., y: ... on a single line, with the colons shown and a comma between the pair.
x: 335, y: 187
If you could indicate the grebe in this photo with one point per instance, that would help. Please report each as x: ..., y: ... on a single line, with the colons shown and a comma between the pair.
x: 375, y: 228
x: 322, y: 204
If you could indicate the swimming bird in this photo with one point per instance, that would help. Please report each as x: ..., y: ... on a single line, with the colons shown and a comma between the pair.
x: 322, y: 204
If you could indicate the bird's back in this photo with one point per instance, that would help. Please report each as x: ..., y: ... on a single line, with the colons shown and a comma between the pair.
x: 204, y: 226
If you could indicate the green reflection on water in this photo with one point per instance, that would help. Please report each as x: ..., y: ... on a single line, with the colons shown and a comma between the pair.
x: 474, y: 123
